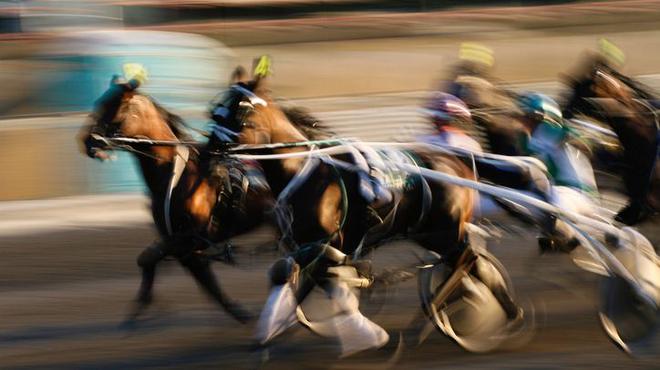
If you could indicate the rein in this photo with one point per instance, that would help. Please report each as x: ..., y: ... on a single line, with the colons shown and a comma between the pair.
x: 230, y: 147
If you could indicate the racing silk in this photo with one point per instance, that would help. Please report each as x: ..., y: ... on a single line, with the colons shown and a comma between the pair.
x: 571, y: 171
x: 567, y: 165
x: 519, y: 173
x: 381, y: 181
x: 453, y: 137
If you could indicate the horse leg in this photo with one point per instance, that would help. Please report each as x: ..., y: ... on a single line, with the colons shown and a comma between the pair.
x: 200, y: 269
x: 450, y: 239
x: 147, y: 260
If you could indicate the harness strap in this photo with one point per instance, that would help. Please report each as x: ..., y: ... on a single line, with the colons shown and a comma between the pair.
x: 366, y: 189
x: 283, y: 218
x: 180, y: 159
x: 427, y: 196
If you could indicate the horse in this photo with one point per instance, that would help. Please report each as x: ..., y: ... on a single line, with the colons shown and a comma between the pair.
x: 599, y: 91
x: 625, y: 320
x: 326, y: 218
x: 191, y: 209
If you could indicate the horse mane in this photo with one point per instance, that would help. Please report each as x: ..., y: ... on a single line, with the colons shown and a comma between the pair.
x: 641, y: 90
x: 174, y: 121
x: 595, y: 62
x: 310, y: 126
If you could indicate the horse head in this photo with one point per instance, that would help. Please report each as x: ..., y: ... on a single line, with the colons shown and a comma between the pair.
x: 123, y: 111
x: 597, y: 88
x: 248, y: 110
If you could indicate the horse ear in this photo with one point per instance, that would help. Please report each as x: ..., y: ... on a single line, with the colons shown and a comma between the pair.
x: 115, y: 79
x: 259, y: 85
x: 239, y: 75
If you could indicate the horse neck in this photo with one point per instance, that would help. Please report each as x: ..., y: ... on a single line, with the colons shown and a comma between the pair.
x: 275, y: 175
x: 155, y: 161
x: 281, y: 130
x: 155, y: 174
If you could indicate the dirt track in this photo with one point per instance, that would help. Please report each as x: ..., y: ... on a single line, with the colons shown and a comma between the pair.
x: 64, y: 295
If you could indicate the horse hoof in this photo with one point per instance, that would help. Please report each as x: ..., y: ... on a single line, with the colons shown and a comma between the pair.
x: 138, y: 309
x: 634, y: 214
x: 516, y: 322
x: 241, y: 315
x: 130, y: 323
x: 551, y: 245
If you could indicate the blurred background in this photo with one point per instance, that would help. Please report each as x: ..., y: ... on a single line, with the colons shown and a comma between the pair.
x: 59, y: 56
x: 70, y: 227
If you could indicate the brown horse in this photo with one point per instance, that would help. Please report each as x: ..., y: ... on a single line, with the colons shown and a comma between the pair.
x: 191, y: 212
x: 325, y: 206
x: 602, y: 93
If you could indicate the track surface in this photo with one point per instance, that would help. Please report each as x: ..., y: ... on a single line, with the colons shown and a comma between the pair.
x: 64, y: 295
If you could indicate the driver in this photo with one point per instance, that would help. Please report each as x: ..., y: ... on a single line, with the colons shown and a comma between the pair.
x: 475, y: 60
x: 224, y: 128
x: 543, y: 136
x: 233, y: 177
x: 546, y: 139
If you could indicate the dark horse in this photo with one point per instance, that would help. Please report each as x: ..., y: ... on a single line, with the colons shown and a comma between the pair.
x: 191, y: 212
x: 323, y: 206
x: 603, y: 93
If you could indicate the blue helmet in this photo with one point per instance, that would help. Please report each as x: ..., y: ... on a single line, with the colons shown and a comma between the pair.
x: 541, y: 107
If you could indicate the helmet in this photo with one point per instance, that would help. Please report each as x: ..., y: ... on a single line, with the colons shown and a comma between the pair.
x: 475, y: 59
x: 476, y: 53
x: 262, y: 66
x: 445, y: 108
x: 136, y: 72
x: 612, y: 55
x: 540, y: 107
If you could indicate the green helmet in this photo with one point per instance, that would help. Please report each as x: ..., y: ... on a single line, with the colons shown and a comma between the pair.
x: 541, y: 107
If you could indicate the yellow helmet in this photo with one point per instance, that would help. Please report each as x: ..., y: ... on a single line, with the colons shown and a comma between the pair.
x: 477, y: 53
x: 263, y: 66
x: 135, y: 71
x: 611, y: 52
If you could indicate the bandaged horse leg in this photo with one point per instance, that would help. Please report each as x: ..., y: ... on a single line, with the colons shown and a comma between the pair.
x: 354, y: 331
x: 200, y: 268
x: 279, y: 312
x: 329, y: 256
x: 333, y: 254
x: 557, y: 235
